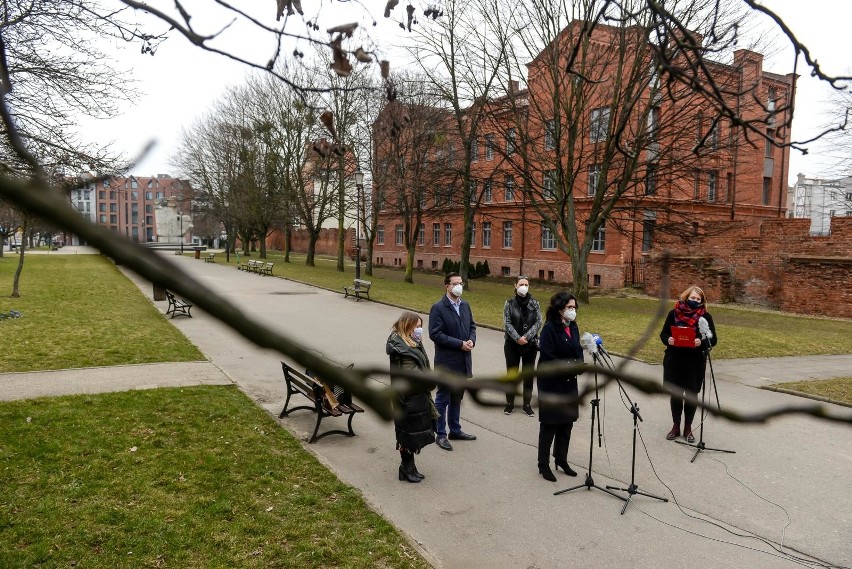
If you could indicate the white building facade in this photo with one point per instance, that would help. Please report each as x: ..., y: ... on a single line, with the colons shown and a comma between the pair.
x: 821, y: 199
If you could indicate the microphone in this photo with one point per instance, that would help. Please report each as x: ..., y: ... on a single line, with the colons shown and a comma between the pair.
x: 588, y: 341
x: 704, y: 329
x: 599, y: 343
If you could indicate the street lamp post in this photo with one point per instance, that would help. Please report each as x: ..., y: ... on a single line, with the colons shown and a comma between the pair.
x: 225, y: 204
x: 180, y: 217
x: 359, y: 186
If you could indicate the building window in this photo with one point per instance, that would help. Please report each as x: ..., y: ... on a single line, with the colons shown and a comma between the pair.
x: 551, y: 275
x: 648, y: 234
x: 510, y: 141
x: 696, y: 191
x: 398, y: 233
x: 113, y: 207
x: 436, y: 234
x: 550, y: 184
x: 149, y: 195
x: 653, y: 123
x: 596, y: 280
x: 448, y: 234
x: 729, y: 187
x: 714, y: 135
x: 489, y: 147
x: 101, y: 195
x: 380, y: 234
x: 113, y: 219
x: 548, y: 239
x: 112, y: 195
x: 134, y: 196
x: 651, y: 179
x: 421, y: 199
x: 421, y: 235
x: 594, y: 178
x: 486, y: 191
x: 486, y: 234
x: 159, y: 195
x: 767, y: 190
x: 149, y: 220
x: 106, y: 183
x: 550, y: 134
x: 101, y: 207
x: 103, y: 218
x: 149, y: 208
x: 699, y: 128
x: 507, y: 234
x: 473, y: 234
x: 509, y: 186
x: 599, y: 240
x: 599, y: 124
x: 473, y: 192
x: 711, y: 186
x: 504, y: 271
x: 474, y: 149
x: 769, y: 149
x: 133, y: 183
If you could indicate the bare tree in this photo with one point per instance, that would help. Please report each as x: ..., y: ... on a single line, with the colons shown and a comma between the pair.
x: 11, y: 219
x: 464, y: 67
x: 410, y: 142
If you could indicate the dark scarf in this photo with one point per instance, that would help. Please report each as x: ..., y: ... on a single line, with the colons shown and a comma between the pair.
x: 686, y: 316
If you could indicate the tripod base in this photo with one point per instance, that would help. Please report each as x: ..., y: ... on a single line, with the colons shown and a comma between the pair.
x: 632, y: 490
x: 700, y: 447
x: 589, y: 483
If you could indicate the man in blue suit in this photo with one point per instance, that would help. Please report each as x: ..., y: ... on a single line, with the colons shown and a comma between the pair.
x: 453, y: 331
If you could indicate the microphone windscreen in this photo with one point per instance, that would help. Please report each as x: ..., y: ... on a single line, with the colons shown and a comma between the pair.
x: 588, y: 342
x: 598, y: 339
x: 704, y: 328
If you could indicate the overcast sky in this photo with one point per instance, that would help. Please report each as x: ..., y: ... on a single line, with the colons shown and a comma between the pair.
x: 180, y: 82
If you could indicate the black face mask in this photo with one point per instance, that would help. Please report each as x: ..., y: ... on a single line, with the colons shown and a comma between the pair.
x: 693, y: 304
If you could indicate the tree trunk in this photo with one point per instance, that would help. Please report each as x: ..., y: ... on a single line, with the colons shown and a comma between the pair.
x: 409, y: 265
x: 312, y: 248
x: 368, y: 266
x: 16, y: 291
x: 287, y: 244
x: 580, y: 274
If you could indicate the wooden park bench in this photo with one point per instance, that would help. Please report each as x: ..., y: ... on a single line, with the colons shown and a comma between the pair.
x: 247, y: 265
x: 358, y: 288
x: 177, y: 306
x: 266, y: 269
x: 210, y: 258
x: 327, y: 400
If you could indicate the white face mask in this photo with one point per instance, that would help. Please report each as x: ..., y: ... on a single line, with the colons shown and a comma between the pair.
x: 457, y: 290
x: 569, y: 314
x: 523, y: 290
x: 417, y: 334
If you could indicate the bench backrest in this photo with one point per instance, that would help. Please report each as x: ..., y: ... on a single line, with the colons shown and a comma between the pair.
x: 362, y: 283
x: 302, y: 382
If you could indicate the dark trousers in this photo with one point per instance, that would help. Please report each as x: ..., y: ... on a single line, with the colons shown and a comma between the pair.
x: 514, y: 359
x: 687, y: 408
x: 547, y: 432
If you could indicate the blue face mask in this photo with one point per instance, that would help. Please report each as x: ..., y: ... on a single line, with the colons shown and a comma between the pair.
x: 693, y: 304
x: 417, y: 334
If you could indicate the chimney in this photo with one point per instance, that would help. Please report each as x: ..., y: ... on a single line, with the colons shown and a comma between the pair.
x: 514, y: 87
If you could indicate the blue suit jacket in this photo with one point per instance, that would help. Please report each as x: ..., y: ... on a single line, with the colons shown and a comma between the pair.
x: 448, y: 330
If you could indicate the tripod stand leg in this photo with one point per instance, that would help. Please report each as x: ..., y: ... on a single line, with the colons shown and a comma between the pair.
x: 700, y: 446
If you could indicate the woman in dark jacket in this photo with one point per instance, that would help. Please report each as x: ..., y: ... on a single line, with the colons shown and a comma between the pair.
x: 559, y: 342
x: 683, y: 367
x: 413, y: 408
x: 521, y: 323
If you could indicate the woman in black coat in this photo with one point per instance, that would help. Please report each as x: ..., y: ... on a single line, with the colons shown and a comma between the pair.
x: 559, y: 342
x: 684, y: 366
x: 413, y: 408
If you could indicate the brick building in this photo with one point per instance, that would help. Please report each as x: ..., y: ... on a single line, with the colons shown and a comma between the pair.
x: 126, y: 205
x: 689, y: 164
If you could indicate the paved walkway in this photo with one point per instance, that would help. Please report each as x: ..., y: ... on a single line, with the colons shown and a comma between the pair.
x: 484, y: 504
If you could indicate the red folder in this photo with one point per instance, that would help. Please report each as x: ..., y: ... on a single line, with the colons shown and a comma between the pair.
x: 684, y: 336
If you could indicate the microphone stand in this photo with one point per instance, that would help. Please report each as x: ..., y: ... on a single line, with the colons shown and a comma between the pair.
x: 590, y: 482
x: 633, y: 488
x: 700, y: 446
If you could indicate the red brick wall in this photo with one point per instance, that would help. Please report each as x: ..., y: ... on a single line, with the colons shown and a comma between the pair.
x: 782, y: 267
x: 326, y: 244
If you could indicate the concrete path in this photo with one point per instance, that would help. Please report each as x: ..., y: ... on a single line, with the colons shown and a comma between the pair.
x: 484, y: 504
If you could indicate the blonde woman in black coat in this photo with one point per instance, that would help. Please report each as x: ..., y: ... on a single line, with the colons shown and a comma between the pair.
x: 413, y: 409
x: 559, y: 342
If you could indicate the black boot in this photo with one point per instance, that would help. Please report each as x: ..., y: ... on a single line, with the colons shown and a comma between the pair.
x: 546, y: 473
x: 414, y: 469
x: 406, y: 469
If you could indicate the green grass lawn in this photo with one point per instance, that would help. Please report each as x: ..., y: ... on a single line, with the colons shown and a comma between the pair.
x: 836, y: 389
x: 80, y: 311
x: 189, y: 478
x: 619, y: 319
